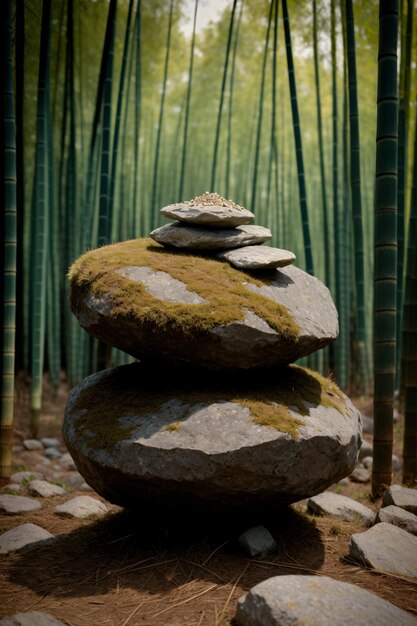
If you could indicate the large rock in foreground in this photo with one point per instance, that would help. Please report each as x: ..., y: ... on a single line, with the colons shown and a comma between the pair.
x: 147, y: 437
x: 157, y: 304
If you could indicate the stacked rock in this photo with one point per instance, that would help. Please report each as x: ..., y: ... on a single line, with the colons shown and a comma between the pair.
x: 214, y: 417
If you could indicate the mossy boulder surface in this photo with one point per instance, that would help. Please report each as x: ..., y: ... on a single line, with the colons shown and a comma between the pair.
x: 156, y: 303
x: 153, y: 436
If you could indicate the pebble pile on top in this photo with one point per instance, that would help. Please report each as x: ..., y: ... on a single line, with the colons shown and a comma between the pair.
x: 214, y: 417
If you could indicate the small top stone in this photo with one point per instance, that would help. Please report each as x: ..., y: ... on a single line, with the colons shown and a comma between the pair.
x: 210, y: 210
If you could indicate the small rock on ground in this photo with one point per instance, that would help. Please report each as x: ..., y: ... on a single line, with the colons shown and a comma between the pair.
x: 341, y: 507
x: 257, y: 541
x: 50, y: 442
x: 399, y: 517
x: 81, y: 507
x: 52, y: 453
x: 21, y: 536
x: 360, y: 475
x: 19, y: 477
x: 67, y: 460
x: 313, y: 601
x: 44, y: 489
x: 12, y: 505
x: 401, y: 496
x: 32, y: 618
x: 366, y: 450
x: 386, y: 548
x: 12, y: 487
x: 367, y: 424
x: 367, y: 462
x: 32, y: 444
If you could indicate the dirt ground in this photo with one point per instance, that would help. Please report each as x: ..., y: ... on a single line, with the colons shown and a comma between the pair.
x: 123, y: 570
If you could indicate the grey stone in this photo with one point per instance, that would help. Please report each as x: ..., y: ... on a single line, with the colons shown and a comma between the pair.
x: 403, y: 497
x: 21, y: 536
x: 200, y: 238
x: 257, y: 257
x: 245, y: 343
x: 208, y: 214
x: 367, y: 462
x: 399, y: 517
x: 366, y: 450
x: 44, y: 489
x: 386, y: 548
x: 341, y: 507
x: 12, y: 505
x: 316, y: 601
x: 81, y: 507
x: 20, y: 477
x: 67, y: 461
x: 31, y: 618
x: 75, y: 480
x: 50, y: 442
x: 396, y: 463
x: 368, y: 424
x: 360, y: 475
x: 13, y: 487
x: 52, y: 453
x: 216, y: 456
x: 32, y: 444
x: 162, y: 285
x: 343, y: 481
x: 257, y: 541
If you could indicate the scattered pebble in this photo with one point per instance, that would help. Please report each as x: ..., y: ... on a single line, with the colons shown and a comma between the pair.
x: 12, y: 505
x: 81, y: 507
x: 365, y: 450
x: 399, y: 517
x: 23, y: 535
x: 257, y: 541
x: 44, y: 489
x: 32, y: 444
x: 367, y: 424
x: 360, y: 475
x: 367, y: 462
x: 403, y: 497
x: 13, y: 487
x: 396, y: 463
x: 50, y: 442
x: 341, y: 507
x: 312, y: 600
x: 53, y: 453
x: 343, y: 482
x: 386, y: 548
x: 20, y: 477
x: 31, y: 618
x: 67, y: 460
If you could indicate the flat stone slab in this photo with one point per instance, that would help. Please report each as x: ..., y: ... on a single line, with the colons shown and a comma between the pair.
x: 212, y: 215
x: 31, y: 618
x: 200, y: 238
x: 257, y: 257
x: 399, y: 517
x: 341, y: 507
x: 13, y: 505
x: 44, y: 489
x: 403, y: 497
x: 81, y: 507
x: 20, y: 477
x: 386, y: 548
x: 206, y: 440
x: 21, y: 536
x: 257, y: 541
x: 157, y: 304
x: 316, y: 601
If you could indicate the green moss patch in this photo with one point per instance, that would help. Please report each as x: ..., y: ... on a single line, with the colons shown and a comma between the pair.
x: 216, y: 281
x: 140, y: 390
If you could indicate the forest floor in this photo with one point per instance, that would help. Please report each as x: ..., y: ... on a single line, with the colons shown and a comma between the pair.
x: 120, y: 571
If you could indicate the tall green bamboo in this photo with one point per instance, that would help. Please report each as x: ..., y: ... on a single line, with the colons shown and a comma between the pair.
x: 230, y: 108
x: 355, y: 182
x: 410, y: 339
x: 298, y: 143
x: 253, y: 202
x: 105, y: 208
x: 41, y: 211
x: 221, y: 101
x: 154, y: 209
x: 138, y: 220
x: 9, y: 237
x: 273, y: 147
x: 385, y: 306
x: 187, y: 108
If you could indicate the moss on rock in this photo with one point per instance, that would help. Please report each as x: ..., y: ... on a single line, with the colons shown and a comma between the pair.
x: 223, y: 288
x: 138, y: 391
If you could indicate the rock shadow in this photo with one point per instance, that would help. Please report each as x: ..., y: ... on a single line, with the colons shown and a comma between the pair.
x: 125, y: 550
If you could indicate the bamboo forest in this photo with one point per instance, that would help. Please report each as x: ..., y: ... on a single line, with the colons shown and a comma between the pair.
x: 303, y: 113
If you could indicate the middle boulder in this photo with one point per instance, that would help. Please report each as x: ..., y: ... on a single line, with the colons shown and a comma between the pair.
x: 155, y: 303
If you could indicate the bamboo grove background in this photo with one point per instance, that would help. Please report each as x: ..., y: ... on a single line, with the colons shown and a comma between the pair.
x: 110, y: 111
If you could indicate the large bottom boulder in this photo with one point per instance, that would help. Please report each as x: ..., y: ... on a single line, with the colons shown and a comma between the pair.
x: 190, y: 439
